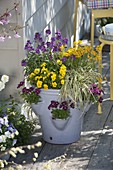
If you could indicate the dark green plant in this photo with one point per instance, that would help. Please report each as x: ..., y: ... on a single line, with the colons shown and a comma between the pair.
x: 60, y: 114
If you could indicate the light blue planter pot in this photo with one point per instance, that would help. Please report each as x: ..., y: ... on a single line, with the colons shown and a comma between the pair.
x: 57, y: 131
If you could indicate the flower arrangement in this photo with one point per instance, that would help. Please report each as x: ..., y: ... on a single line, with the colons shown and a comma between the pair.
x: 50, y: 64
x: 60, y: 110
x: 29, y: 94
x: 8, y: 133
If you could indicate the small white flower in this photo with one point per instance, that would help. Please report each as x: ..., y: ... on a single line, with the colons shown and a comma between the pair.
x: 5, y: 120
x: 2, y: 139
x: 8, y: 134
x: 34, y: 159
x: 36, y: 155
x: 1, y: 121
x: 16, y: 132
x: 12, y: 135
x: 3, y: 148
x: 2, y: 85
x: 14, y: 142
x: 5, y: 78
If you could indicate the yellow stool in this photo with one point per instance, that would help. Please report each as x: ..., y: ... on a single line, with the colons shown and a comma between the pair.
x: 99, y: 13
x: 109, y: 42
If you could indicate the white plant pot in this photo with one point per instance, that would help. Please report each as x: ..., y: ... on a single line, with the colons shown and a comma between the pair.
x: 53, y: 131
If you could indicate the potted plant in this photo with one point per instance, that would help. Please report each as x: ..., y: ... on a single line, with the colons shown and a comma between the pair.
x: 56, y: 74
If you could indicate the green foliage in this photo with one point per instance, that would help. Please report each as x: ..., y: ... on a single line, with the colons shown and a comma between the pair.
x: 60, y: 114
x: 31, y: 97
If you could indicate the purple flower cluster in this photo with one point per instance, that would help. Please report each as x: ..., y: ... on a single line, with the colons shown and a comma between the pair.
x: 60, y: 105
x: 46, y: 46
x: 29, y: 46
x: 96, y: 91
x: 20, y: 84
x: 28, y: 90
x: 23, y: 63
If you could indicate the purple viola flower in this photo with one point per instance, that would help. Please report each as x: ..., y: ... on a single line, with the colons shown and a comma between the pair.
x: 14, y: 130
x: 23, y: 63
x: 73, y: 57
x: 59, y: 44
x: 10, y: 127
x: 54, y: 104
x: 58, y: 32
x: 31, y: 89
x: 4, y: 115
x: 59, y: 37
x: 100, y: 100
x: 28, y: 46
x: 92, y: 90
x: 53, y: 39
x: 37, y: 51
x: 48, y: 31
x: 55, y: 49
x: 94, y: 85
x: 43, y: 48
x: 64, y: 59
x: 20, y: 84
x: 65, y: 107
x: 25, y: 90
x: 65, y: 41
x: 49, y: 45
x: 39, y: 47
x: 37, y: 36
x: 40, y: 39
x: 37, y: 91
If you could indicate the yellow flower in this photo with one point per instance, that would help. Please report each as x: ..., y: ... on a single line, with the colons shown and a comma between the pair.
x: 44, y: 78
x: 62, y: 48
x: 59, y: 62
x: 43, y: 64
x: 100, y: 80
x: 38, y: 77
x: 31, y: 75
x: 63, y: 66
x: 62, y: 70
x: 98, y: 48
x: 54, y: 84
x: 45, y: 86
x: 53, y: 77
x: 37, y: 70
x: 98, y: 58
x: 39, y: 84
x: 66, y: 54
x: 48, y: 74
x: 62, y: 82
